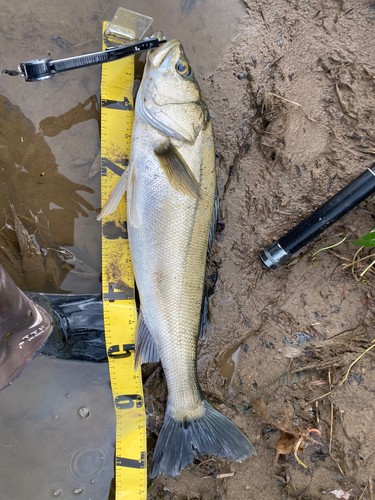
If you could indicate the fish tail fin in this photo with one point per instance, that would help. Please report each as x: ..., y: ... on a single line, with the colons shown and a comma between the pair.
x: 210, y: 434
x: 115, y: 196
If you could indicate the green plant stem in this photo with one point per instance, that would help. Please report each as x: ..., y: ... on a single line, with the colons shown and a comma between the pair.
x: 327, y: 248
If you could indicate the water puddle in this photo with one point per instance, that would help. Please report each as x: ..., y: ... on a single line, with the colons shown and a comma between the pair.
x: 228, y: 364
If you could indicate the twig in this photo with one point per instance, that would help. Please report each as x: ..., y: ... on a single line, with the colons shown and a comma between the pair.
x: 355, y: 361
x: 304, y: 437
x: 338, y: 465
x: 209, y: 460
x: 275, y: 61
x: 320, y: 397
x: 354, y: 262
x: 367, y: 268
x: 359, y: 260
x: 331, y: 422
x: 363, y: 492
x: 221, y: 476
x: 370, y: 486
x: 296, y: 446
x: 317, y: 412
x: 296, y: 103
x: 339, y: 256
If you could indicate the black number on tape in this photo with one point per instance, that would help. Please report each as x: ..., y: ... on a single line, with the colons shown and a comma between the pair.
x: 114, y: 351
x: 127, y: 402
x: 134, y: 464
x: 114, y: 231
x: 118, y: 292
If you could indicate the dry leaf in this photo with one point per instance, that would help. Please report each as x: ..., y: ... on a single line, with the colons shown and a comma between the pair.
x: 291, y: 437
x: 285, y: 444
x: 260, y: 408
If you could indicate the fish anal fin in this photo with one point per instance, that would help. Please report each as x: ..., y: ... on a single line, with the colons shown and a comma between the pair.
x: 214, y: 220
x: 145, y: 347
x: 178, y: 173
x: 205, y: 309
x: 205, y: 313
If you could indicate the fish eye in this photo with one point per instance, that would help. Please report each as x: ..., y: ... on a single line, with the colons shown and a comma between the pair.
x: 183, y: 68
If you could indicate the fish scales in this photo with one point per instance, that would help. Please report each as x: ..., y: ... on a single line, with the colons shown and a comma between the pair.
x: 169, y: 255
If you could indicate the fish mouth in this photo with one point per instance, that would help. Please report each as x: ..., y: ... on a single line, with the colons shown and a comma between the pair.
x: 158, y: 56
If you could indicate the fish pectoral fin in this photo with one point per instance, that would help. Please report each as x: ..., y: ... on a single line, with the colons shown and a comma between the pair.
x: 178, y: 173
x: 145, y: 347
x: 135, y: 219
x: 115, y: 195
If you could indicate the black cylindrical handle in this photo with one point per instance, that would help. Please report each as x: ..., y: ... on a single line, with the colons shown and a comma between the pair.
x: 323, y: 217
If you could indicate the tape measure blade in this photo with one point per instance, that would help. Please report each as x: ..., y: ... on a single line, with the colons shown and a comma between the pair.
x: 119, y: 308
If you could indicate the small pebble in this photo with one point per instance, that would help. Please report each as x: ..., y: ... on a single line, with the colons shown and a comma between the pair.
x: 84, y: 412
x: 57, y: 493
x: 77, y: 491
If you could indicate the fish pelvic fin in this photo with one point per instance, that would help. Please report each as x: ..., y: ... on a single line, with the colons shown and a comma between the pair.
x: 178, y: 173
x: 145, y: 347
x: 209, y: 434
x: 115, y: 195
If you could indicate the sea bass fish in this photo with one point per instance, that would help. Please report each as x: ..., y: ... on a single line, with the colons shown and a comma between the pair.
x: 171, y: 184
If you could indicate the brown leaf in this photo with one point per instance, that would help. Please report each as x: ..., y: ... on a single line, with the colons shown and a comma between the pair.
x: 285, y: 444
x: 287, y: 425
x: 260, y: 409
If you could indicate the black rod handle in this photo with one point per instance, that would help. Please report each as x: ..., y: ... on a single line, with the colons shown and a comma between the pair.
x: 336, y: 207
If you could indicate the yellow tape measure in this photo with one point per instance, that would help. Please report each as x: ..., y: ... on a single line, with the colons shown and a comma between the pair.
x: 120, y: 315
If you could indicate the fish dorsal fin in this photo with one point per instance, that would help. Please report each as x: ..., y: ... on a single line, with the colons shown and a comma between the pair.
x: 115, y: 195
x: 178, y: 173
x: 135, y: 219
x: 145, y: 347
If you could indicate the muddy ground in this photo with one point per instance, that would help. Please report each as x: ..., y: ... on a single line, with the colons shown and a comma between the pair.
x: 289, y: 336
x: 293, y: 109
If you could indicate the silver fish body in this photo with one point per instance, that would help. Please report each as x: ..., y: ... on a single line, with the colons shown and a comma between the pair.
x: 171, y: 190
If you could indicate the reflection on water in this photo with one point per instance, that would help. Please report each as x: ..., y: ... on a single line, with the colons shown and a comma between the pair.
x: 39, y: 204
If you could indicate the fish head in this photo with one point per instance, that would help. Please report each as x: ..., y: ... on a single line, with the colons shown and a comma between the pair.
x: 169, y: 97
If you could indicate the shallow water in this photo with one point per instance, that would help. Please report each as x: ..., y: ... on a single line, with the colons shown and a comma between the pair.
x: 50, y: 133
x: 49, y: 152
x: 58, y: 432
